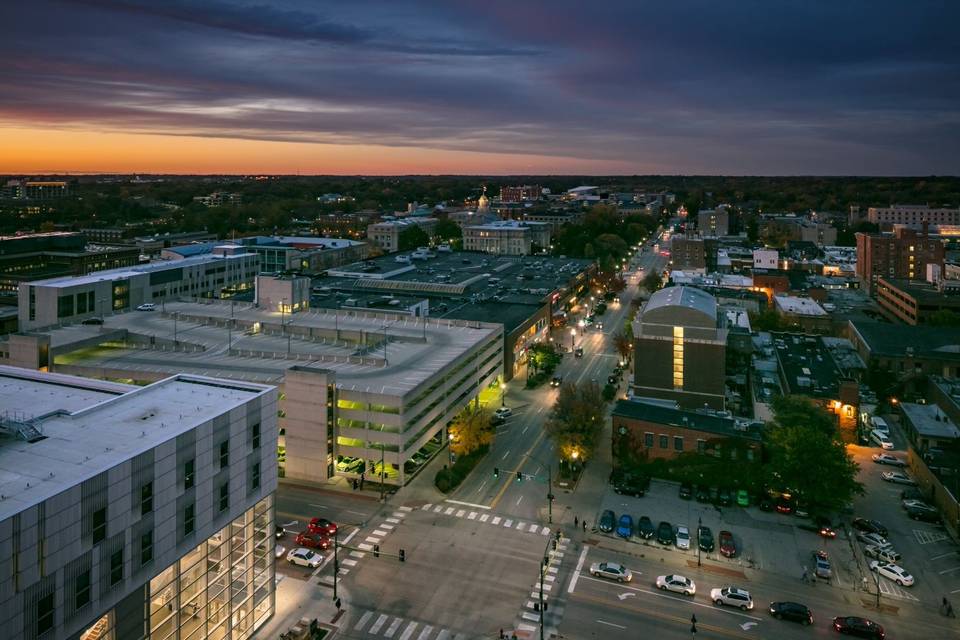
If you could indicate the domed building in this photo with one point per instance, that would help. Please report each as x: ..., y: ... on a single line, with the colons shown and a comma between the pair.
x: 483, y: 203
x: 680, y: 340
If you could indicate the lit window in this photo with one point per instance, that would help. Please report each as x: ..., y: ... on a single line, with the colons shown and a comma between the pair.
x: 678, y: 357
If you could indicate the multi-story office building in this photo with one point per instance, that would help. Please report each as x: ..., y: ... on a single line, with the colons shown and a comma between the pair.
x: 36, y: 189
x: 507, y: 237
x: 522, y: 193
x: 914, y: 301
x: 680, y: 342
x: 284, y: 253
x: 136, y: 512
x: 913, y: 215
x: 26, y: 258
x: 903, y: 254
x: 714, y: 222
x: 386, y: 234
x: 48, y: 302
x: 688, y: 253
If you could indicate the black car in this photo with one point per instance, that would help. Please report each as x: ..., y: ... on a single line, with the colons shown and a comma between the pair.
x: 912, y: 493
x: 924, y: 515
x: 612, y: 379
x: 629, y: 485
x: 869, y: 526
x: 705, y: 538
x: 714, y: 495
x: 686, y: 491
x: 557, y: 381
x: 765, y: 503
x: 703, y: 495
x: 665, y: 534
x: 859, y: 627
x: 578, y: 352
x: 608, y: 521
x: 645, y: 528
x: 97, y: 321
x: 725, y: 498
x: 793, y: 611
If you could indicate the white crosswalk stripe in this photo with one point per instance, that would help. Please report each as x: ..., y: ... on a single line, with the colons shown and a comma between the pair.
x: 357, y: 554
x: 409, y: 631
x: 521, y: 525
x: 545, y: 531
x: 380, y: 533
x: 461, y: 513
x: 399, y: 514
x: 449, y: 511
x: 402, y: 629
x: 379, y: 623
x: 508, y: 523
x: 427, y: 630
x: 534, y: 528
x: 393, y: 520
x: 472, y: 515
x: 392, y: 629
x: 484, y: 517
x: 349, y: 562
x: 427, y: 506
x: 388, y: 527
x: 525, y: 627
x: 406, y: 509
x: 496, y: 520
x: 363, y: 620
x: 443, y: 635
x: 439, y: 508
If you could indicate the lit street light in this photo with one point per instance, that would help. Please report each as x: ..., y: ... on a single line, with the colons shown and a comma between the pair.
x: 573, y: 337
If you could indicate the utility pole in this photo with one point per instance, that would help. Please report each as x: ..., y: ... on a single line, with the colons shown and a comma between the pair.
x: 550, y: 494
x: 381, y: 471
x: 699, y: 524
x: 336, y: 561
x: 543, y: 571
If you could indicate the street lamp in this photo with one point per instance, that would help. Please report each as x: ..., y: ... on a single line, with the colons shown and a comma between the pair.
x: 503, y: 393
x: 699, y: 524
x: 573, y: 337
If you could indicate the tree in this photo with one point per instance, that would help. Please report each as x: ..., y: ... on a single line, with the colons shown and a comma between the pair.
x: 543, y: 357
x: 652, y: 281
x: 412, y: 237
x: 944, y: 318
x: 576, y: 420
x: 807, y: 459
x: 623, y: 343
x: 471, y: 430
x: 447, y: 229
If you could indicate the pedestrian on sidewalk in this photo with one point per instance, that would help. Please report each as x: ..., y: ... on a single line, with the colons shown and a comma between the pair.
x: 576, y: 522
x: 584, y: 522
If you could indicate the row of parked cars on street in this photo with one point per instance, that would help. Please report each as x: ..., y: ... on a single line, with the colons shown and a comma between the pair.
x: 665, y: 533
x: 733, y: 596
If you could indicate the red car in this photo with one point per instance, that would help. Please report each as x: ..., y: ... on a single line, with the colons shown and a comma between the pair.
x: 859, y: 627
x: 784, y: 506
x: 322, y: 526
x: 727, y: 546
x: 312, y: 540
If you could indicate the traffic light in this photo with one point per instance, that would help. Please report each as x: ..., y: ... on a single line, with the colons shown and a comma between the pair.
x: 403, y: 555
x: 376, y: 551
x: 519, y: 476
x: 558, y: 535
x: 554, y: 545
x: 496, y: 472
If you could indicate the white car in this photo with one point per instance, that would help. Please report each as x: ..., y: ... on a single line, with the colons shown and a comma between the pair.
x: 503, y: 413
x: 886, y: 458
x: 683, y: 537
x: 872, y: 538
x: 881, y: 439
x: 304, y: 558
x: 732, y: 597
x: 279, y: 551
x: 917, y: 504
x: 677, y: 584
x: 898, y: 478
x: 893, y: 572
x: 611, y: 570
x: 147, y: 306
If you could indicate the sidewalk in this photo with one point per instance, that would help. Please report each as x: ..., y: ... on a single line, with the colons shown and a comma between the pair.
x: 297, y: 599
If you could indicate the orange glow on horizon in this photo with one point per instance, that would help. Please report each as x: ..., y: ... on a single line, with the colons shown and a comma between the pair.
x: 32, y: 150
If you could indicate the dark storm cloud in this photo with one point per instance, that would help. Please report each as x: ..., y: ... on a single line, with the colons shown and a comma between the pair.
x: 752, y: 86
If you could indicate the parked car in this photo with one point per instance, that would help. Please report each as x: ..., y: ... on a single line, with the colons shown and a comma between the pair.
x: 872, y: 538
x: 705, y: 539
x: 304, y: 558
x: 665, y: 533
x: 883, y: 554
x: 728, y: 547
x: 924, y: 515
x: 725, y: 498
x: 677, y: 584
x: 322, y: 526
x: 94, y: 321
x: 743, y: 498
x: 629, y: 485
x: 892, y: 572
x: 703, y: 494
x: 858, y: 627
x: 793, y: 611
x: 765, y: 503
x: 917, y: 504
x: 869, y: 526
x: 278, y: 532
x: 686, y: 491
x: 503, y: 413
x: 888, y: 458
x: 911, y: 493
x: 625, y: 526
x: 611, y: 571
x: 821, y: 565
x: 879, y: 424
x: 732, y: 597
x: 881, y: 439
x: 785, y: 506
x: 683, y: 537
x: 898, y: 478
x: 312, y: 540
x: 556, y: 381
x: 147, y: 306
x: 608, y: 520
x: 645, y: 528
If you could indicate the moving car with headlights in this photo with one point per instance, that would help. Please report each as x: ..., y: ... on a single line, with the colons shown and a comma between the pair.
x: 556, y: 381
x: 732, y: 597
x: 611, y: 571
x: 304, y: 558
x: 677, y: 584
x: 793, y: 611
x: 858, y: 627
x: 322, y: 526
x: 892, y: 572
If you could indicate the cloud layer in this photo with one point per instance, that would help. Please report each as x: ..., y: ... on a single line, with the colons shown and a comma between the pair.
x: 690, y: 86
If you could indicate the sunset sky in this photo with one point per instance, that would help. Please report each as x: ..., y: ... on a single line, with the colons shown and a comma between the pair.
x: 492, y: 86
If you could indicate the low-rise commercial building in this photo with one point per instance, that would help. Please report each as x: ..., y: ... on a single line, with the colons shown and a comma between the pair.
x: 652, y: 431
x: 928, y: 427
x: 136, y: 512
x: 805, y: 314
x: 507, y: 237
x: 284, y: 253
x: 35, y: 189
x: 907, y: 351
x: 521, y: 193
x: 220, y: 199
x: 916, y: 302
x: 714, y: 222
x: 44, y: 303
x: 386, y: 234
x: 914, y: 215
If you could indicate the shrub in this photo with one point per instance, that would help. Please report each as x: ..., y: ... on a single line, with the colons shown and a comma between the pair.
x: 449, y: 478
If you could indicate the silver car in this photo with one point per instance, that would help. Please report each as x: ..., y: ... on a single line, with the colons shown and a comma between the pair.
x: 611, y: 571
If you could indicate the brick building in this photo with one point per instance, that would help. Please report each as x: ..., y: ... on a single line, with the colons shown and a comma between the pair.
x: 903, y: 254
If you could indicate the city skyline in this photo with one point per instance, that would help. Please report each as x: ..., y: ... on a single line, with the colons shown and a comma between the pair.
x: 478, y: 88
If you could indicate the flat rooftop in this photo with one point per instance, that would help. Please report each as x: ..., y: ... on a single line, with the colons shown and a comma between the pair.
x: 929, y: 421
x: 894, y: 340
x: 91, y: 426
x: 130, y: 272
x: 806, y: 365
x: 923, y: 292
x: 414, y: 351
x: 799, y: 306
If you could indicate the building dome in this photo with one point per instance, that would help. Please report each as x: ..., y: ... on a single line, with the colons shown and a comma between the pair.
x: 483, y: 204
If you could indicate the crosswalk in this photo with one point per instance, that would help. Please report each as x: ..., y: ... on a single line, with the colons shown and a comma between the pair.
x: 486, y: 518
x: 529, y: 619
x: 381, y: 531
x: 374, y: 623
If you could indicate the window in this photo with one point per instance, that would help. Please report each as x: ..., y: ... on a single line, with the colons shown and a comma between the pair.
x: 255, y: 435
x: 224, y: 496
x: 116, y: 567
x: 146, y: 498
x: 81, y: 590
x: 146, y: 548
x: 648, y: 439
x: 188, y: 475
x: 189, y: 519
x: 677, y: 358
x: 44, y: 614
x: 701, y: 446
x: 224, y: 453
x: 255, y: 476
x: 99, y: 525
x: 678, y: 443
x: 664, y: 442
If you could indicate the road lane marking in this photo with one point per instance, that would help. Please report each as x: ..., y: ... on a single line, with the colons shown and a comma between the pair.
x: 406, y: 509
x: 427, y: 630
x: 379, y: 623
x: 409, y: 630
x: 944, y: 555
x: 505, y: 455
x: 392, y: 629
x: 318, y: 506
x: 610, y: 624
x: 506, y: 485
x: 484, y: 517
x: 468, y: 504
x: 482, y: 485
x: 363, y: 620
x: 576, y: 572
x: 518, y: 502
x: 674, y: 598
x: 950, y: 570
